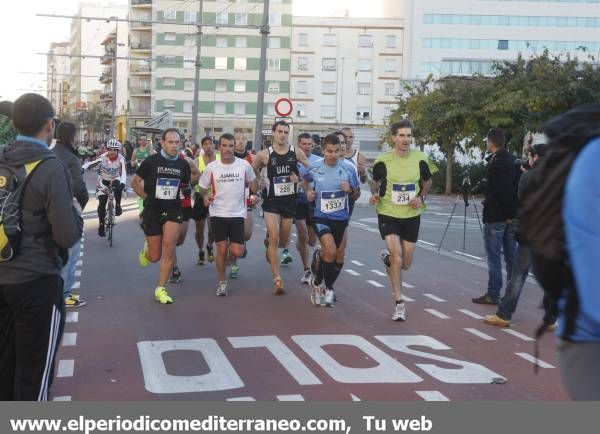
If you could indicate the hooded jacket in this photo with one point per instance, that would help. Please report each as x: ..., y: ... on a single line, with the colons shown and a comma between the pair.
x: 500, y: 202
x: 69, y: 158
x: 50, y: 222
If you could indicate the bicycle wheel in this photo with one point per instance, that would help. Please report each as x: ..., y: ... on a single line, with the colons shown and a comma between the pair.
x: 110, y: 217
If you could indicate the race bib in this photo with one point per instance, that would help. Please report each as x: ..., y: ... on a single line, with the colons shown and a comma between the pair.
x: 403, y: 193
x: 332, y: 201
x: 166, y: 188
x: 283, y: 186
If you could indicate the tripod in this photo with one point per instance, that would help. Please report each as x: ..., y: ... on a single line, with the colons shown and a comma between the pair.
x: 466, y: 192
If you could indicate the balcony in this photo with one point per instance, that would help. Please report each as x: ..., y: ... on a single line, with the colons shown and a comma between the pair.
x: 140, y: 69
x: 140, y: 24
x: 138, y: 4
x: 141, y: 45
x: 107, y: 58
x: 106, y: 77
x: 105, y: 97
x: 140, y: 91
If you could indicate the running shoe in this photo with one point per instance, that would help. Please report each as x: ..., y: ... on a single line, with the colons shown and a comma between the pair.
x: 306, y: 277
x: 278, y: 286
x: 101, y: 232
x: 286, y: 258
x: 74, y: 302
x: 162, y: 296
x: 118, y: 210
x: 200, y: 257
x: 384, y: 255
x: 210, y: 254
x: 222, y: 289
x: 316, y: 297
x: 142, y: 258
x: 175, y: 276
x: 234, y: 272
x: 266, y: 243
x: 329, y: 298
x: 399, y: 312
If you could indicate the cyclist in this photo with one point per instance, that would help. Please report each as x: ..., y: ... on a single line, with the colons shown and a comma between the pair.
x: 279, y: 206
x: 158, y: 181
x: 112, y: 172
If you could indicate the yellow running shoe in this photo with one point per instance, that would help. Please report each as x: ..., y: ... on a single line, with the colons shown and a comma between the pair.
x: 162, y: 296
x: 142, y: 258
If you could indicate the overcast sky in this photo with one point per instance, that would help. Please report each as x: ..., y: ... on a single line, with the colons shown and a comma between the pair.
x: 23, y: 34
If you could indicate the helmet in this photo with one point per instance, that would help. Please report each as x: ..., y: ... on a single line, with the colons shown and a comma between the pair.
x: 113, y: 144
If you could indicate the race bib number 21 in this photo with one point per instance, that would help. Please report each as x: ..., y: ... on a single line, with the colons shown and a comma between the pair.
x: 166, y: 188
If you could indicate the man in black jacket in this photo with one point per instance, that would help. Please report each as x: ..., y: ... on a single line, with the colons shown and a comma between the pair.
x: 499, y: 210
x: 65, y: 152
x: 31, y: 289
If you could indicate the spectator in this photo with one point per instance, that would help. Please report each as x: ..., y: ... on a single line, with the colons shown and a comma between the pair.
x: 7, y: 132
x: 65, y: 152
x: 499, y: 210
x: 31, y: 290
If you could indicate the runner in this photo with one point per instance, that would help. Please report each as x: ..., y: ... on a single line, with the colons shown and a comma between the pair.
x: 200, y: 211
x: 304, y: 230
x: 279, y: 205
x: 223, y: 188
x: 335, y: 183
x: 401, y: 180
x: 158, y: 181
x: 140, y: 153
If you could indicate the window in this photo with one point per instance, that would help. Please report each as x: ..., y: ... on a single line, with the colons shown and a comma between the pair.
x: 220, y: 108
x: 274, y: 42
x: 145, y: 84
x: 363, y: 113
x: 239, y: 64
x: 329, y: 40
x: 273, y: 87
x: 387, y: 111
x: 274, y: 65
x: 239, y: 108
x: 170, y: 37
x: 365, y: 64
x: 327, y: 111
x: 168, y: 82
x: 302, y: 63
x: 328, y: 87
x: 188, y: 84
x: 222, y: 18
x: 170, y: 14
x: 302, y: 87
x: 220, y: 62
x: 221, y: 42
x: 502, y: 44
x: 390, y: 41
x: 390, y: 65
x: 329, y: 64
x: 300, y: 110
x: 189, y: 17
x: 239, y: 86
x: 169, y: 103
x: 241, y: 42
x: 189, y: 40
x: 275, y: 20
x: 364, y: 41
x: 221, y: 85
x: 189, y: 62
x: 188, y: 106
x: 270, y: 109
x: 390, y: 89
x: 364, y: 88
x: 169, y: 60
x: 303, y: 39
x: 240, y: 19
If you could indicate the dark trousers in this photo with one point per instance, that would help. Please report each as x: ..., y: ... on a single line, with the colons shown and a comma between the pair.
x: 31, y: 326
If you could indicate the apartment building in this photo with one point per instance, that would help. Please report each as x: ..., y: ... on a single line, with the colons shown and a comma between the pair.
x: 57, y: 76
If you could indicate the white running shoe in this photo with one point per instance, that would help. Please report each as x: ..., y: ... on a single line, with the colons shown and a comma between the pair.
x: 384, y: 255
x: 329, y: 297
x: 222, y: 289
x: 399, y: 312
x: 316, y: 297
x: 306, y: 278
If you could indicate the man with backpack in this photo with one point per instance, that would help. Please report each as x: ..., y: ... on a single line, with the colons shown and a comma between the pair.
x: 42, y: 223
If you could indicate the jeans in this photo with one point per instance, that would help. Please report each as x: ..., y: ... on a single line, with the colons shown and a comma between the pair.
x: 68, y: 271
x: 498, y: 237
x: 515, y: 283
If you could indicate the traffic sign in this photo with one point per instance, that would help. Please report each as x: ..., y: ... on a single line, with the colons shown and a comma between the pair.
x: 283, y: 102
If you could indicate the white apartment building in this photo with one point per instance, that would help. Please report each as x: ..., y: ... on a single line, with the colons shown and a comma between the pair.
x: 57, y: 76
x: 345, y: 71
x: 463, y: 37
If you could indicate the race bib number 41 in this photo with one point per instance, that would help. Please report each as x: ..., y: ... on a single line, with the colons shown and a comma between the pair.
x: 283, y: 186
x: 166, y: 188
x: 332, y: 201
x: 402, y: 194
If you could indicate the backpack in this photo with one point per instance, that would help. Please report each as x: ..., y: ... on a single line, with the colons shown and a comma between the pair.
x: 541, y: 222
x: 13, y: 183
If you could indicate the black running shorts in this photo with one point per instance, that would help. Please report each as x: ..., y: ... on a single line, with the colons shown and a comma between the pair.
x: 303, y: 212
x: 285, y: 208
x: 407, y: 229
x: 199, y: 211
x: 186, y: 213
x: 336, y: 228
x: 228, y: 229
x: 153, y: 219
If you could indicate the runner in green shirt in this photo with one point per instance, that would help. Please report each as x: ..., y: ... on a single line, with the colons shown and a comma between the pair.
x: 401, y: 180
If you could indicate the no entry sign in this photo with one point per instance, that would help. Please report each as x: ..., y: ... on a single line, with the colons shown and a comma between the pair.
x: 283, y: 107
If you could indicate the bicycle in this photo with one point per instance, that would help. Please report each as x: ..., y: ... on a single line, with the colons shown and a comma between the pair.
x: 109, y: 219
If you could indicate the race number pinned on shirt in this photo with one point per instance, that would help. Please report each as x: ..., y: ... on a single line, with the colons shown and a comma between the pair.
x: 283, y: 186
x: 332, y: 201
x: 402, y: 194
x: 166, y: 188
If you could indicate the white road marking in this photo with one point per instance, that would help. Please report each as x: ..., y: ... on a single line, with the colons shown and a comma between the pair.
x: 437, y: 313
x: 77, y: 273
x: 407, y: 285
x: 471, y: 314
x: 290, y: 398
x: 375, y: 284
x: 79, y: 263
x: 435, y: 298
x: 294, y: 235
x: 407, y: 298
x: 361, y: 224
x: 241, y: 398
x: 76, y: 285
x: 425, y: 242
x: 61, y: 398
x: 355, y: 398
x: 531, y: 359
x: 467, y: 255
x: 72, y: 317
x: 480, y: 334
x: 379, y: 273
x: 65, y: 368
x: 360, y: 264
x: 69, y: 339
x: 432, y: 395
x: 354, y: 273
x: 517, y: 334
x: 80, y: 254
x: 257, y: 225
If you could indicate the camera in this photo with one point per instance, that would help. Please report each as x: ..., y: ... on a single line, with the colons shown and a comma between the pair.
x: 522, y: 162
